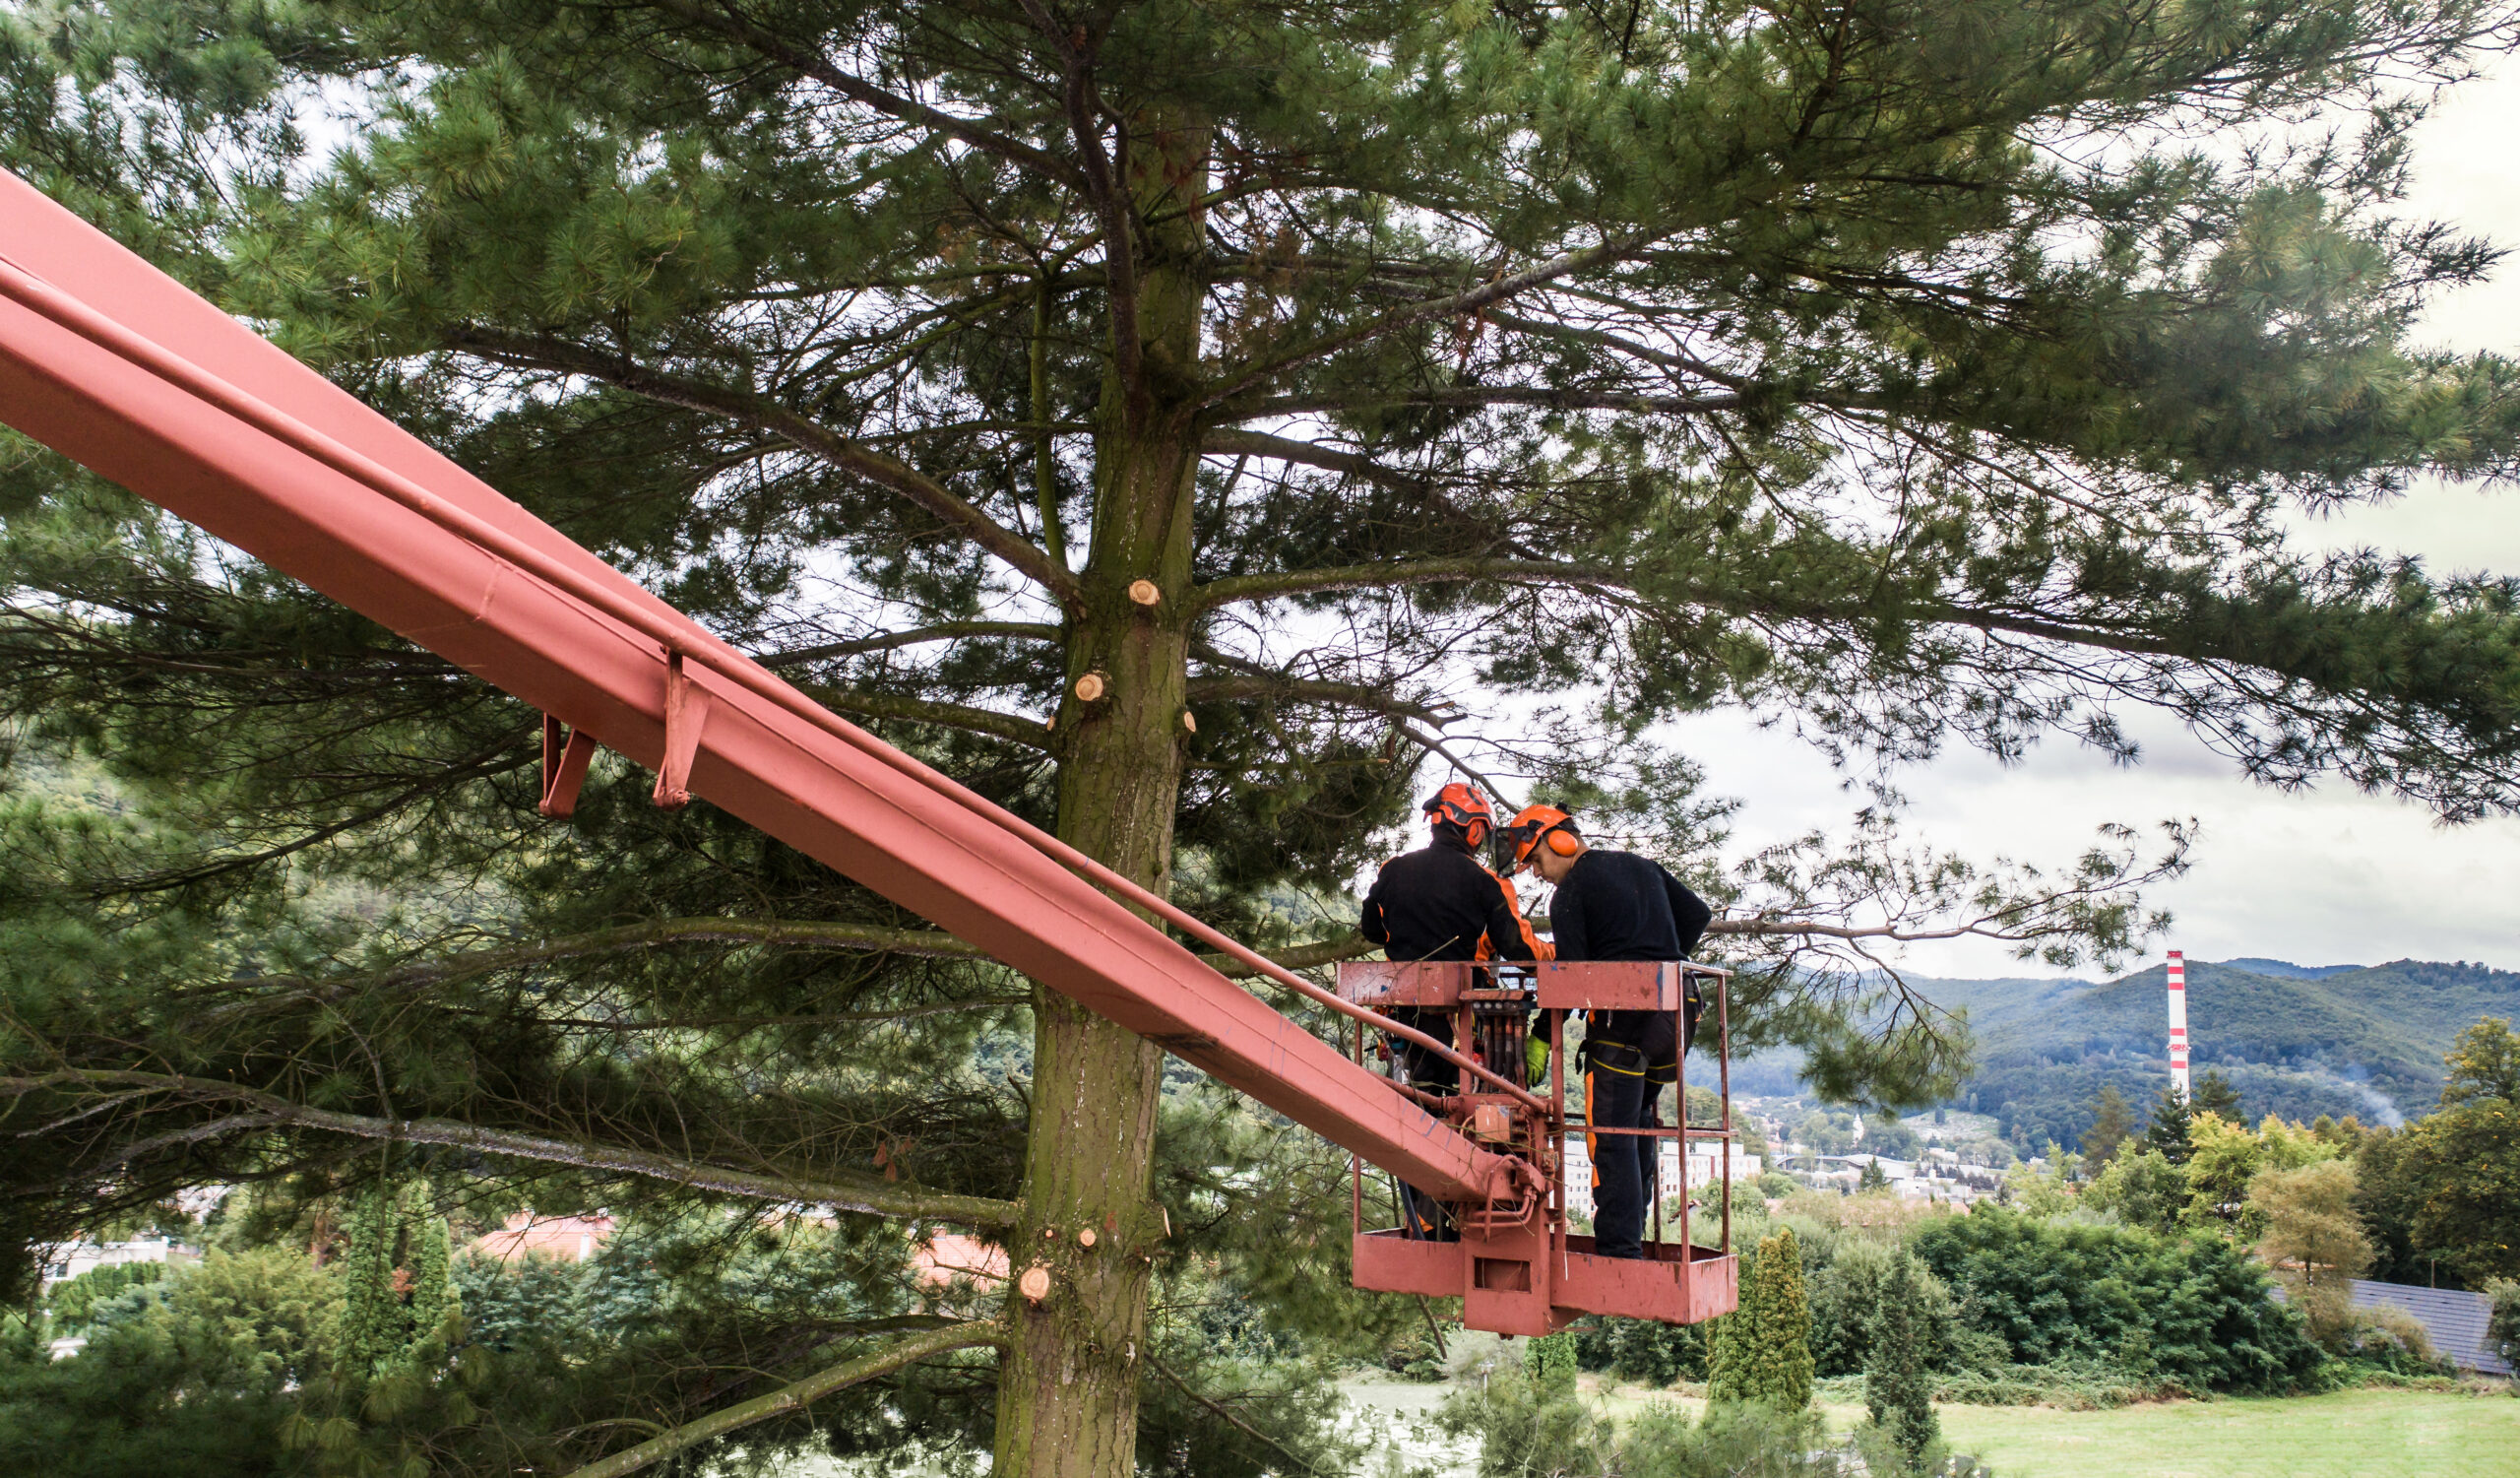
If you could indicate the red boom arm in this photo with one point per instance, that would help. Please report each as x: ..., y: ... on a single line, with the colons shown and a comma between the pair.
x: 116, y: 365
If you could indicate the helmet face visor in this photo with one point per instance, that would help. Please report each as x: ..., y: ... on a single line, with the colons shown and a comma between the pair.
x: 1515, y: 840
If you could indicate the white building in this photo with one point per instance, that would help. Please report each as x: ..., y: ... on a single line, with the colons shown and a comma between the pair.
x: 1706, y: 1162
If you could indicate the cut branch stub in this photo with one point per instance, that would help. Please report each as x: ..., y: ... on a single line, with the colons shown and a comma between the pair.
x: 1091, y: 687
x: 1190, y: 721
x: 1145, y: 593
x: 1034, y: 1285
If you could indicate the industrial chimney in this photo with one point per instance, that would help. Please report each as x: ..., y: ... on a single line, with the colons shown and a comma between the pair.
x: 2178, y: 1022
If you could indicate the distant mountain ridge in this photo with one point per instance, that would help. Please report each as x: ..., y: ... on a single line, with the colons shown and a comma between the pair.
x: 2287, y: 970
x: 2300, y: 1041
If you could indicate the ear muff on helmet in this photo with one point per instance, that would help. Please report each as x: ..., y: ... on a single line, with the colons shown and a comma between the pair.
x: 1563, y: 842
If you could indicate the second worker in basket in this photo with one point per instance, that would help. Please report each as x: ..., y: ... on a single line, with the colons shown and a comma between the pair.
x: 1616, y: 906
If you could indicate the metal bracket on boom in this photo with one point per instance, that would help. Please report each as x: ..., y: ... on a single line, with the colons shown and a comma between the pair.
x: 564, y: 768
x: 686, y: 713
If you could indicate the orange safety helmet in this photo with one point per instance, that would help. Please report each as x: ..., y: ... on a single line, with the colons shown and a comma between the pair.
x: 1461, y: 805
x: 1514, y: 844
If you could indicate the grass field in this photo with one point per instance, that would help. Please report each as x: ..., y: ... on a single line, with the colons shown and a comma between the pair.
x: 2355, y: 1434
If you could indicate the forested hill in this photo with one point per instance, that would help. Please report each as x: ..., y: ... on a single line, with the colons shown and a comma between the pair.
x: 2297, y: 1041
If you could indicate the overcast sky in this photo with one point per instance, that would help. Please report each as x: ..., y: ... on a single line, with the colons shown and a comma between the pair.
x: 2325, y: 877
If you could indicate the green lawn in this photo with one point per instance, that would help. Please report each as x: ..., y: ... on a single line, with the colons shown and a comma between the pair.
x: 2355, y: 1434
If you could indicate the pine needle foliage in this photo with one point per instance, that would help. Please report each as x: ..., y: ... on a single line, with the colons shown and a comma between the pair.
x: 1899, y: 373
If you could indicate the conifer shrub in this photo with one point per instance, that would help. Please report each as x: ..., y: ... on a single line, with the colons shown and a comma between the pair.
x: 1898, y: 1388
x: 1763, y: 1348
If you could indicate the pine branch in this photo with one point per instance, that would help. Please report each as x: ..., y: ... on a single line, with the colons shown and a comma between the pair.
x: 1564, y: 264
x: 1226, y: 1414
x: 1119, y: 235
x: 1266, y: 587
x: 1225, y: 442
x: 663, y: 934
x: 496, y: 760
x: 941, y: 631
x: 813, y: 936
x: 1265, y: 684
x: 1490, y: 395
x: 541, y: 351
x: 735, y: 26
x: 264, y: 1110
x: 795, y: 1397
x: 1006, y: 726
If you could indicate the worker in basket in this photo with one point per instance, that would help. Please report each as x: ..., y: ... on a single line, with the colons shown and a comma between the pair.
x: 1442, y: 903
x: 1615, y: 906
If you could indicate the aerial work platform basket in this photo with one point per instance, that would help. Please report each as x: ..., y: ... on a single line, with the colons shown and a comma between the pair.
x: 1516, y: 1267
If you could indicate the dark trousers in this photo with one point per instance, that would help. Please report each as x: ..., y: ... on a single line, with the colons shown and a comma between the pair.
x: 1623, y: 1165
x: 1425, y: 1218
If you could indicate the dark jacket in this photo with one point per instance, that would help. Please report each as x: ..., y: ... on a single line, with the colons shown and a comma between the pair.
x: 1437, y: 903
x: 1618, y: 906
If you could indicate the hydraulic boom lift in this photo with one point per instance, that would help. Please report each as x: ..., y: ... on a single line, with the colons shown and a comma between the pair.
x: 116, y: 365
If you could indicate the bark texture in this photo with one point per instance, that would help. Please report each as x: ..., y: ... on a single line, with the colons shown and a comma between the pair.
x: 1068, y: 1384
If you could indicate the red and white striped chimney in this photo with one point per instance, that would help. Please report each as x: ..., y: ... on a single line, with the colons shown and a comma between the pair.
x: 2178, y: 1022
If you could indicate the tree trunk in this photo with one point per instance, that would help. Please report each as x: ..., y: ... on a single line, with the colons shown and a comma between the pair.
x: 1068, y: 1384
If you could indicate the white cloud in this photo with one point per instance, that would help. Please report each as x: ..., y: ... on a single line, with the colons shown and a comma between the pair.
x: 2322, y: 877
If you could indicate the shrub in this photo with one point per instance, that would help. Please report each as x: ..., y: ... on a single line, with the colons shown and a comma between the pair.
x: 2193, y: 1309
x: 1525, y: 1427
x: 1845, y: 1296
x: 2502, y: 1328
x: 73, y: 1301
x: 2388, y: 1338
x: 1642, y: 1350
x: 1550, y: 1359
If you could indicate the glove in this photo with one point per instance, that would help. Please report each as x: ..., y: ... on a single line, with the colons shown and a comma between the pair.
x: 1536, y: 1062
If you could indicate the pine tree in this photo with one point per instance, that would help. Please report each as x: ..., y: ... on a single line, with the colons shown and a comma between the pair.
x: 375, y: 1326
x: 1764, y: 1352
x: 2113, y: 1122
x: 947, y: 355
x: 1898, y: 1391
x: 2168, y: 1126
x: 2215, y: 1095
